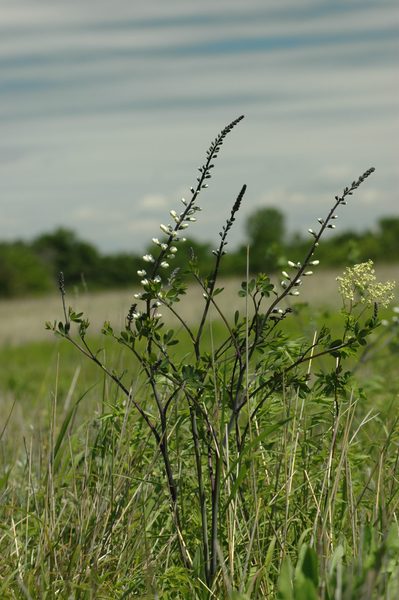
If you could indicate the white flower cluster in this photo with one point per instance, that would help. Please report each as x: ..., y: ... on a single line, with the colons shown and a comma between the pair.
x: 358, y: 284
x: 167, y: 250
x: 296, y: 281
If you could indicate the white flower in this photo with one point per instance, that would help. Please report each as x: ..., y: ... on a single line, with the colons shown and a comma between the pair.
x: 314, y: 262
x: 157, y: 279
x: 183, y: 226
x: 173, y: 249
x: 165, y: 228
x: 291, y: 264
x: 192, y: 219
x: 164, y: 246
x: 175, y: 216
x: 164, y: 264
x: 137, y: 296
x: 141, y: 273
x: 285, y: 274
x: 308, y: 273
x: 149, y: 258
x: 296, y: 293
x: 358, y: 284
x: 144, y: 282
x: 156, y: 241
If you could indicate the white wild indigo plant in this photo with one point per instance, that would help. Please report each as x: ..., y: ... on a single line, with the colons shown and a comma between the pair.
x: 206, y: 412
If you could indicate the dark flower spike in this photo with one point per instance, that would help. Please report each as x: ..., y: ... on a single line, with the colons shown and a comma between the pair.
x: 61, y: 287
x: 130, y: 315
x: 183, y: 219
x: 289, y: 284
x: 226, y: 228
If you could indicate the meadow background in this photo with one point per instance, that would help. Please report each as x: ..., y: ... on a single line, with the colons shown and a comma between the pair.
x: 106, y: 115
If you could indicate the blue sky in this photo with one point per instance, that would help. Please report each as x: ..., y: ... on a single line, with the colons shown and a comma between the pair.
x: 107, y: 109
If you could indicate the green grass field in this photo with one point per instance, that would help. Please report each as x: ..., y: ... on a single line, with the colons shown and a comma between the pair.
x: 309, y: 508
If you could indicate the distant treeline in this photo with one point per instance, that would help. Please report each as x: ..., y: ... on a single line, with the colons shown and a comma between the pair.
x: 32, y: 268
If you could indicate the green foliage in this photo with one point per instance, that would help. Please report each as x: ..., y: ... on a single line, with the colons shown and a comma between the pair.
x: 115, y: 271
x: 351, y: 247
x: 32, y: 268
x: 21, y: 271
x: 265, y: 229
x: 63, y: 251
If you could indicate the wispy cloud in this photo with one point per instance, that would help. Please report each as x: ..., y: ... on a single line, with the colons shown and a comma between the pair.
x: 153, y: 201
x: 111, y: 109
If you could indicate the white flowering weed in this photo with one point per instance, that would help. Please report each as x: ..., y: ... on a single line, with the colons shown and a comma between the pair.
x: 358, y: 284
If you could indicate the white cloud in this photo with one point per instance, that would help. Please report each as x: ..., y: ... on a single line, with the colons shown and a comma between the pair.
x: 90, y: 36
x: 337, y: 173
x: 152, y: 201
x: 98, y: 215
x: 147, y: 226
x: 372, y: 196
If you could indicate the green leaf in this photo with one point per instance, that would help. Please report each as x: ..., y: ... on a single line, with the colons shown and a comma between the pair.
x: 392, y: 539
x: 335, y: 344
x: 107, y: 329
x: 304, y: 589
x: 75, y: 317
x: 217, y: 291
x: 269, y: 553
x: 244, y: 460
x: 285, y: 588
x: 65, y: 424
x: 309, y: 565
